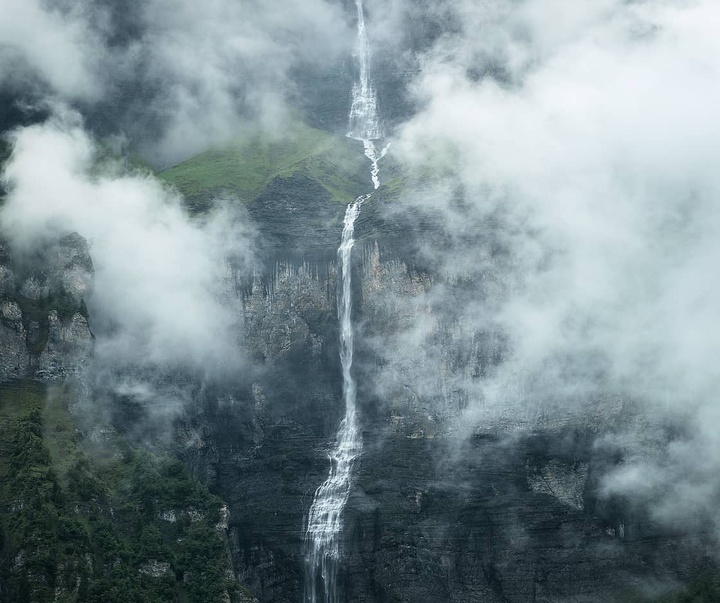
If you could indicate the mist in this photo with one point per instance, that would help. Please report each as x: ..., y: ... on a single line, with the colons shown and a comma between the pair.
x: 173, y: 77
x: 158, y: 296
x: 163, y: 81
x: 62, y: 62
x: 584, y: 141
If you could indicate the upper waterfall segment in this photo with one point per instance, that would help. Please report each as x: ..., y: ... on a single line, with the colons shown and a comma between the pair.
x: 364, y: 123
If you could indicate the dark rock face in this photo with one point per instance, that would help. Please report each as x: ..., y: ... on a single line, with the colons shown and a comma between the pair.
x: 297, y: 218
x: 475, y: 527
x: 44, y: 331
x: 511, y: 513
x: 260, y: 448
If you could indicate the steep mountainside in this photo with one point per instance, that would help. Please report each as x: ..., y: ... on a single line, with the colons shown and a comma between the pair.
x: 92, y: 519
x: 512, y: 514
x: 104, y: 512
x: 45, y: 331
x: 334, y: 164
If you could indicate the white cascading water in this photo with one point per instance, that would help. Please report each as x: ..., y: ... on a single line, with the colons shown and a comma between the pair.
x: 325, y: 517
x: 364, y: 121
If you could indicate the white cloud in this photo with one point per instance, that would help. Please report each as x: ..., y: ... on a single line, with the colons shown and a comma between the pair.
x: 58, y: 47
x: 214, y: 60
x: 157, y: 273
x: 596, y: 155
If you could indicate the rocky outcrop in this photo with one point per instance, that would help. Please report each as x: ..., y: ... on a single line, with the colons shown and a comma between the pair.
x: 44, y: 330
x: 256, y: 447
x: 509, y: 511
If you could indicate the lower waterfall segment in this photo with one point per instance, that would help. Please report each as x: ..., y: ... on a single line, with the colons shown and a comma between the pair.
x: 325, y: 517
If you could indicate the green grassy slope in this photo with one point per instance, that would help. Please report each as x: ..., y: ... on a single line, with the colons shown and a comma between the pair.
x: 245, y: 169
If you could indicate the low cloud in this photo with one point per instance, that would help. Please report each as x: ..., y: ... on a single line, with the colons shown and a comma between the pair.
x: 584, y: 141
x: 47, y: 49
x: 158, y: 297
x: 175, y: 77
x: 222, y: 59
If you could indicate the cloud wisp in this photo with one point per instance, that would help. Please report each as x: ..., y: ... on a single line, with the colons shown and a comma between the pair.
x: 175, y: 77
x: 47, y: 50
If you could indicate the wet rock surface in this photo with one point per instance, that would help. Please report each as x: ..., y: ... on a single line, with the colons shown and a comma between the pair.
x: 510, y: 512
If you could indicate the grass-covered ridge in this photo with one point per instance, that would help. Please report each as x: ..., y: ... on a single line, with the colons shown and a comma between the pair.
x: 245, y: 168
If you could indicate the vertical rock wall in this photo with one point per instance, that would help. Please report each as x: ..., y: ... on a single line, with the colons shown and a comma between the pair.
x: 43, y: 318
x: 506, y: 512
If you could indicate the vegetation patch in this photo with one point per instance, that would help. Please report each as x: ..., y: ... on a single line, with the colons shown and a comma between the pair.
x: 246, y: 168
x: 132, y: 527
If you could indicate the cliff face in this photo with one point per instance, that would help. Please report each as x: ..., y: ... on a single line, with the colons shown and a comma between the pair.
x: 87, y: 517
x: 44, y: 330
x: 508, y: 512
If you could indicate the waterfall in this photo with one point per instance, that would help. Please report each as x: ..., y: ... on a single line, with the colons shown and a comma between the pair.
x: 324, y: 524
x: 324, y: 519
x: 364, y: 123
